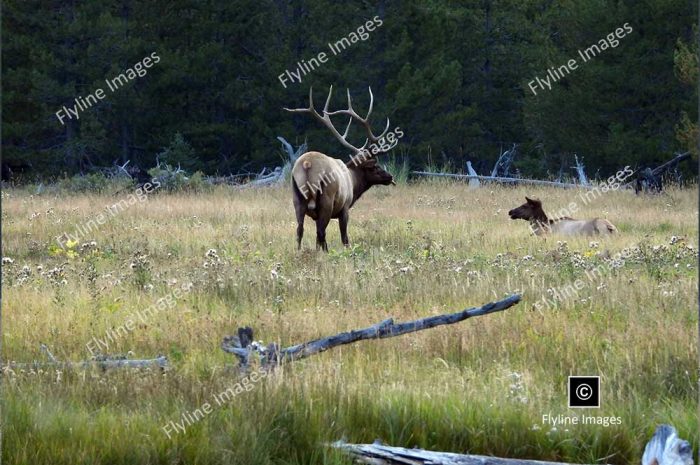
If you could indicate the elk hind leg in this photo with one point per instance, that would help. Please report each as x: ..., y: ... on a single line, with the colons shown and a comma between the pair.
x: 324, y: 209
x: 343, y: 222
x: 300, y: 225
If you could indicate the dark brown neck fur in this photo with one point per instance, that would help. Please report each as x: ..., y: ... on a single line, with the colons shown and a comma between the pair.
x: 359, y: 184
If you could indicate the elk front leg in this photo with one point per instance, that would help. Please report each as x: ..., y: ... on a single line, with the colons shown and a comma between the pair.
x: 343, y: 222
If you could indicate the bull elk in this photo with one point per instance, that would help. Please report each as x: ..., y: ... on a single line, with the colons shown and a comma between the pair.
x: 324, y: 187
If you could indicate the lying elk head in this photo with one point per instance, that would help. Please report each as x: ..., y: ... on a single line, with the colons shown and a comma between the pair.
x: 530, y: 210
x: 325, y: 187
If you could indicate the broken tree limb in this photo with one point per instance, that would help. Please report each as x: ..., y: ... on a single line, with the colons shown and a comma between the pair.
x: 503, y: 163
x: 664, y: 448
x: 659, y: 170
x: 675, y: 160
x: 501, y: 179
x: 581, y: 171
x: 291, y: 153
x: 242, y: 348
x: 273, y: 177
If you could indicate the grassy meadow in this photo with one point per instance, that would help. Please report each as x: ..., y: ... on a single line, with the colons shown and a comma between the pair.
x: 480, y: 386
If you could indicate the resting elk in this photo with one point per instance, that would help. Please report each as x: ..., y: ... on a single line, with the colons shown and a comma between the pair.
x: 324, y: 187
x: 540, y: 224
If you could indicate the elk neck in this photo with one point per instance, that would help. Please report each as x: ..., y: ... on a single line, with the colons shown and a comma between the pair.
x: 359, y: 184
x: 539, y: 222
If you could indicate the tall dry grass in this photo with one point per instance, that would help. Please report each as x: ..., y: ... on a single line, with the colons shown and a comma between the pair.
x: 480, y: 386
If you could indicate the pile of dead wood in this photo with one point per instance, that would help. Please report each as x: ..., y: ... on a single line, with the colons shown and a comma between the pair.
x: 648, y: 180
x: 241, y: 180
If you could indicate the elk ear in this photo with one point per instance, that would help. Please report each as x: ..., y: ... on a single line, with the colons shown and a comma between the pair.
x: 528, y: 199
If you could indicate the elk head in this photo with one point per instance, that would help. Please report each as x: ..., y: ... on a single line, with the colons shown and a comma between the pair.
x: 530, y: 210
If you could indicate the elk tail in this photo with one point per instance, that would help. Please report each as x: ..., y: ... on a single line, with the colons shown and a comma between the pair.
x: 307, y: 189
x: 312, y: 192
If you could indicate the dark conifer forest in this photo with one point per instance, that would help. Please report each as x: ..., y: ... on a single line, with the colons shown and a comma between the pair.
x: 87, y: 84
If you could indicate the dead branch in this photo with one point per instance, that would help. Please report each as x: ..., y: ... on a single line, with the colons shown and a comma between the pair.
x: 276, y: 176
x: 291, y: 153
x: 674, y: 161
x: 503, y: 163
x: 243, y: 346
x: 581, y: 171
x: 649, y: 174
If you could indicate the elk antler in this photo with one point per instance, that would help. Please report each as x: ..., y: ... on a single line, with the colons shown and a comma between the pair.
x: 326, y: 120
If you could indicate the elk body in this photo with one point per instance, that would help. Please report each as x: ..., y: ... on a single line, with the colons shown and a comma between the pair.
x: 324, y: 188
x: 540, y: 224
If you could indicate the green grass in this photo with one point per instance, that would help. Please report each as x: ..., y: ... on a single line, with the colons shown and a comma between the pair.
x: 480, y: 386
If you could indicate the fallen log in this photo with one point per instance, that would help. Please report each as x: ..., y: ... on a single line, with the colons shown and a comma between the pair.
x: 161, y: 362
x: 243, y: 346
x: 503, y: 180
x: 664, y: 448
x: 104, y: 362
x: 378, y: 454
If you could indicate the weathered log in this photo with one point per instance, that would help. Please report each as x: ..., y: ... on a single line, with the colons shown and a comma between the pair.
x: 272, y: 355
x: 502, y: 179
x: 664, y: 448
x: 104, y: 363
x: 160, y: 361
x: 378, y: 454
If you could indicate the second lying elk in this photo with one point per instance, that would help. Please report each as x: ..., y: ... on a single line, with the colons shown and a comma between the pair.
x: 325, y: 187
x: 540, y: 224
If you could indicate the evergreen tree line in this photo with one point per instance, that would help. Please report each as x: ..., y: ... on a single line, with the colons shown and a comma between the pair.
x: 453, y: 75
